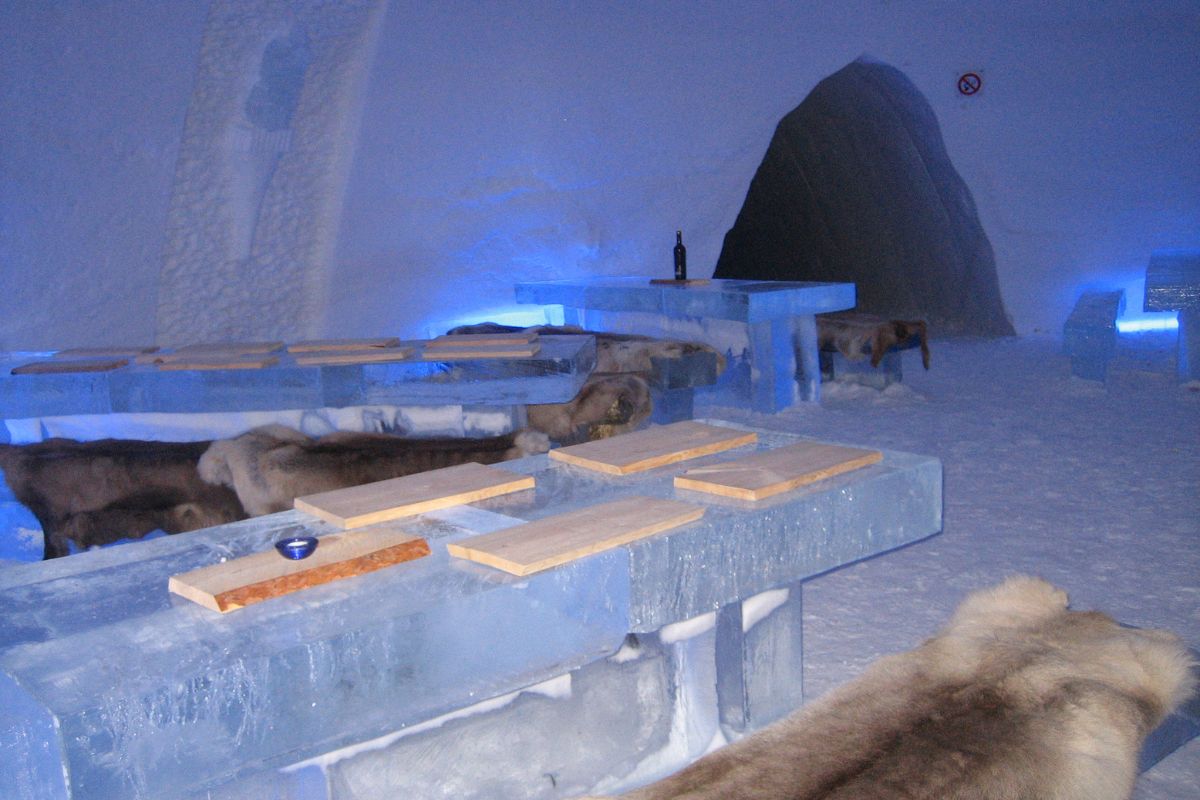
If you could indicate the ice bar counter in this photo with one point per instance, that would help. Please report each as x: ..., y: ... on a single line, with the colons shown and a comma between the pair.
x: 437, y: 677
x: 768, y: 329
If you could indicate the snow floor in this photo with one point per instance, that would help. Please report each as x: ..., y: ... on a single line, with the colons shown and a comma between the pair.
x: 1095, y: 487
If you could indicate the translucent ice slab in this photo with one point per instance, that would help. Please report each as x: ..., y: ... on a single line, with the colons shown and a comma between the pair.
x: 554, y: 375
x: 773, y: 355
x: 109, y: 687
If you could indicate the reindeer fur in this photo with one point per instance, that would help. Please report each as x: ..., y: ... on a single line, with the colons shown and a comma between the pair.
x: 1017, y: 698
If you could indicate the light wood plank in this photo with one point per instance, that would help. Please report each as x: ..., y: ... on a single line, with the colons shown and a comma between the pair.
x: 771, y: 472
x: 85, y: 365
x: 461, y: 340
x: 653, y: 447
x: 261, y: 576
x: 228, y: 348
x: 549, y: 542
x: 320, y: 345
x: 517, y: 350
x: 214, y: 362
x: 378, y: 355
x: 356, y: 506
x: 104, y: 352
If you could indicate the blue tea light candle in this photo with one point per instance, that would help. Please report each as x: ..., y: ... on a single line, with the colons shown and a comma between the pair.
x: 297, y: 547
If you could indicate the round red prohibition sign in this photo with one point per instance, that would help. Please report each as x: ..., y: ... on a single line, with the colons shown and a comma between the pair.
x: 969, y: 83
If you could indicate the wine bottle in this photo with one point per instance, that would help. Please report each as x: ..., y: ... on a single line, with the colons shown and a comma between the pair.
x: 680, y: 257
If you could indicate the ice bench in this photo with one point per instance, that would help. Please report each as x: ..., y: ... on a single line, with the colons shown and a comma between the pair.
x: 866, y: 349
x: 1090, y: 333
x: 112, y: 688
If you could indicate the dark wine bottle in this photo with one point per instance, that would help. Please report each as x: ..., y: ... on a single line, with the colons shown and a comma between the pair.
x: 680, y: 257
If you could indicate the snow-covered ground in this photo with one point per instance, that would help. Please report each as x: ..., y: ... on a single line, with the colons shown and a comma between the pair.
x: 1093, y: 487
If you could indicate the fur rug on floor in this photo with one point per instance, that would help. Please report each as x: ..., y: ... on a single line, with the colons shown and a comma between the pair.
x: 1017, y: 698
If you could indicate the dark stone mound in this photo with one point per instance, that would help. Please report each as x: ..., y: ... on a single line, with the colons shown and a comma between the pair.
x: 857, y: 186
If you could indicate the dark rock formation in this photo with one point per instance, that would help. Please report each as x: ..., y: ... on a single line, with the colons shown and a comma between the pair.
x: 857, y: 186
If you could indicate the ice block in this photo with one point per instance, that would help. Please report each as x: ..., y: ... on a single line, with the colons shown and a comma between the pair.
x: 776, y: 322
x: 554, y: 375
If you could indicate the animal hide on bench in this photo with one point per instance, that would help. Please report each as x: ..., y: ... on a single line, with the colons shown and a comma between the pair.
x: 855, y: 335
x: 615, y: 352
x: 270, y: 466
x: 95, y: 493
x: 1016, y: 698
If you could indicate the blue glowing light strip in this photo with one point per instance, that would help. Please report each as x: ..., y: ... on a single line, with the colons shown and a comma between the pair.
x: 1142, y: 325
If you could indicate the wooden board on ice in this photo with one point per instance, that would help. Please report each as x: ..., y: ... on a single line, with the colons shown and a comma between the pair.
x: 653, y: 447
x: 771, y: 472
x: 251, y: 579
x: 369, y: 503
x: 549, y: 542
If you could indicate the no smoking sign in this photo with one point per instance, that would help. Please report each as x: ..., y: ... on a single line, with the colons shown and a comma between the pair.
x: 969, y: 83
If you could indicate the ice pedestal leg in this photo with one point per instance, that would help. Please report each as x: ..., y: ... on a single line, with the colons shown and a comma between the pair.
x: 1188, y: 364
x: 804, y: 343
x: 759, y: 659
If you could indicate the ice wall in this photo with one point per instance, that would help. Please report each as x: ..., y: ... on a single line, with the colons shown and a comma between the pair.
x: 92, y: 98
x: 270, y: 131
x: 519, y: 141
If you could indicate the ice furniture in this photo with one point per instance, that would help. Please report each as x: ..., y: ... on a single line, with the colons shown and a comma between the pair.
x: 761, y: 326
x: 1173, y: 284
x: 554, y: 375
x: 1090, y: 333
x: 438, y: 677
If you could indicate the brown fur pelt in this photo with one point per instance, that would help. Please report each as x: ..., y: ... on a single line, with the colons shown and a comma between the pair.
x: 95, y: 493
x: 607, y: 405
x: 615, y: 352
x: 1016, y: 698
x: 855, y: 335
x: 270, y: 466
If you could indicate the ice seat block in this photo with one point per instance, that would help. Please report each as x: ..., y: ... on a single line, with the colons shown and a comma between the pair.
x: 554, y: 375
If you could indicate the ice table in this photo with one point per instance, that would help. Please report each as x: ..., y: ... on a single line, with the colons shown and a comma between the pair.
x: 760, y: 325
x: 554, y: 375
x: 112, y: 688
x: 1173, y: 284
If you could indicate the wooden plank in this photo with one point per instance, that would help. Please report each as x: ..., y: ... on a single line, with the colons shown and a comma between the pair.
x: 85, y: 365
x: 377, y: 355
x: 228, y: 348
x: 104, y: 352
x: 774, y: 471
x: 482, y: 351
x: 548, y: 542
x: 321, y: 345
x: 251, y: 579
x: 653, y: 447
x: 214, y: 362
x: 356, y: 506
x: 461, y: 340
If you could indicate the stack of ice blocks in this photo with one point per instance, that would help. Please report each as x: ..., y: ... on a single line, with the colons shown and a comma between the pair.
x: 435, y: 678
